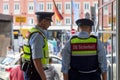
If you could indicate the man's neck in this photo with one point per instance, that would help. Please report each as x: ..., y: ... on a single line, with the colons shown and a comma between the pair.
x: 42, y: 27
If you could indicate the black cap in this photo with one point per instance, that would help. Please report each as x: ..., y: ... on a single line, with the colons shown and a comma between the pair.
x: 84, y: 22
x: 44, y: 15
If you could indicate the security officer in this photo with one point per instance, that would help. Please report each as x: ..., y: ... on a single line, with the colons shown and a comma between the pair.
x: 83, y: 57
x: 36, y: 56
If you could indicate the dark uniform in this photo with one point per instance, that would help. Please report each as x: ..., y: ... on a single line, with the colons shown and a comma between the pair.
x: 84, y: 56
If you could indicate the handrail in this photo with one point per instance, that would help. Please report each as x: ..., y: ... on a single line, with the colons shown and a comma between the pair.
x: 105, y: 4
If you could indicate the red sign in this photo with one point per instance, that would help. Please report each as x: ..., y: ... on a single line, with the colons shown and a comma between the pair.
x: 83, y: 46
x: 73, y: 31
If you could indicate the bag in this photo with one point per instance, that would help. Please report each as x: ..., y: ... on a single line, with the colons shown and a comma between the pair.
x: 24, y: 66
x: 29, y: 70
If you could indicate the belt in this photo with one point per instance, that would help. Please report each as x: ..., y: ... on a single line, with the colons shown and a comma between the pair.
x: 87, y: 71
x: 91, y: 71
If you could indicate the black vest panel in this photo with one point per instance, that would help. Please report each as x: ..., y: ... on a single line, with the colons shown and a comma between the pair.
x: 84, y: 63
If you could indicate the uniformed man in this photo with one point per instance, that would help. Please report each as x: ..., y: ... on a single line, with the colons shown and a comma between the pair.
x: 36, y: 55
x: 83, y: 57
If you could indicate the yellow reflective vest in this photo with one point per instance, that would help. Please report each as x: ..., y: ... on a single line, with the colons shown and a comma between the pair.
x: 27, y: 49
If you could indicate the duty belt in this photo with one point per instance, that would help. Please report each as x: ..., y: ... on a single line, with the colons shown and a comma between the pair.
x: 91, y: 71
x: 88, y: 71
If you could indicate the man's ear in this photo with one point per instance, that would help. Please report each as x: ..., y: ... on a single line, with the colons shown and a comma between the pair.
x: 43, y: 22
x: 90, y: 29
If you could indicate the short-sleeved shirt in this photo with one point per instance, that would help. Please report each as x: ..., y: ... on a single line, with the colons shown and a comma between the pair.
x: 66, y: 54
x: 37, y: 43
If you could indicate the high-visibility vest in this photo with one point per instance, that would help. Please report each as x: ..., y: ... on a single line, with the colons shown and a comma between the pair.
x: 27, y: 49
x: 84, y: 54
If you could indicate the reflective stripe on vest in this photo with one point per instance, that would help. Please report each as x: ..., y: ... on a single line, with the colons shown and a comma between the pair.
x: 27, y: 48
x: 83, y: 47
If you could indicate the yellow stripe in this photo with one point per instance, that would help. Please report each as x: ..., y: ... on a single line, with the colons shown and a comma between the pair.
x: 26, y: 49
x: 89, y: 40
x: 84, y: 53
x: 25, y: 56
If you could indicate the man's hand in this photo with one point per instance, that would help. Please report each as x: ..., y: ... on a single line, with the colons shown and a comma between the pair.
x: 104, y: 76
x: 65, y: 76
x: 39, y: 68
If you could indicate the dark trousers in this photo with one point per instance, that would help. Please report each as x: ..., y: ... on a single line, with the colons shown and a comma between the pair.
x: 75, y: 75
x: 31, y: 74
x: 31, y: 77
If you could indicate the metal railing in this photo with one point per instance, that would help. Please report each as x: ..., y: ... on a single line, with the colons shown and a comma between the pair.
x: 109, y: 21
x: 118, y: 38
